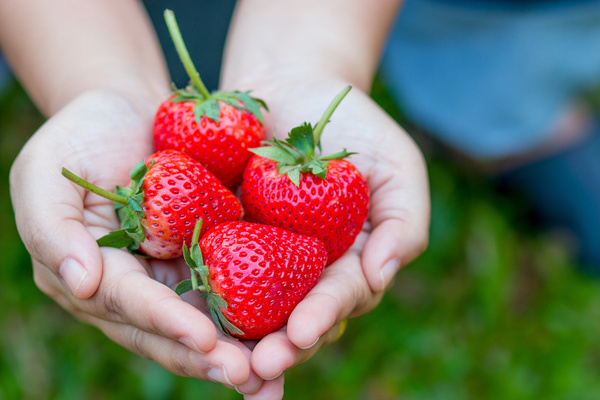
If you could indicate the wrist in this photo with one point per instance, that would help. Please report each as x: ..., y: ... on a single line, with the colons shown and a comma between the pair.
x: 273, y: 75
x: 293, y: 96
x: 336, y: 38
x: 143, y: 96
x: 278, y: 86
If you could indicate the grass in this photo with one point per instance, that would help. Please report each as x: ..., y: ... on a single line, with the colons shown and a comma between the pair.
x: 494, y: 309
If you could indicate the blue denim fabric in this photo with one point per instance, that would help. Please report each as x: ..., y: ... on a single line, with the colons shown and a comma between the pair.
x: 492, y: 79
x: 5, y: 75
x: 564, y: 190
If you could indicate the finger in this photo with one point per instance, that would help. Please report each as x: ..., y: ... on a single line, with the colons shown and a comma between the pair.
x: 151, y: 306
x: 275, y: 353
x: 270, y: 390
x: 254, y: 382
x: 162, y: 336
x: 225, y: 363
x: 399, y: 218
x: 170, y: 354
x: 341, y: 292
x: 49, y: 216
x: 128, y: 295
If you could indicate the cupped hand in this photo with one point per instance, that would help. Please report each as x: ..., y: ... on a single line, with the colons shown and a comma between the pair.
x: 395, y: 233
x: 100, y: 135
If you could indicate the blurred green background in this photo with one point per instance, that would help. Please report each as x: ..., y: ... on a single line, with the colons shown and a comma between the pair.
x: 494, y: 309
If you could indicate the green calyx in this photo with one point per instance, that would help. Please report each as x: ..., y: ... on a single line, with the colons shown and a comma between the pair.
x: 207, y: 104
x: 301, y: 150
x: 128, y: 205
x: 199, y: 282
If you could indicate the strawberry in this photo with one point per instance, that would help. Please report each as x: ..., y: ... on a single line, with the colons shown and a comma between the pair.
x: 290, y: 185
x: 168, y: 193
x: 253, y: 275
x: 216, y: 128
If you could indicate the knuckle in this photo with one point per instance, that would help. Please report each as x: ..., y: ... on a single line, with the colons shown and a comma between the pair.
x: 111, y: 300
x: 137, y: 343
x: 180, y: 366
x: 114, y: 294
x: 174, y: 361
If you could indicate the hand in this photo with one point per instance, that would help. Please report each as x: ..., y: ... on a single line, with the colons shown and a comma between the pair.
x: 395, y: 233
x: 100, y: 135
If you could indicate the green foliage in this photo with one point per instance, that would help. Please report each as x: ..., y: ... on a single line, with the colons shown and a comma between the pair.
x: 207, y: 104
x: 494, y: 309
x: 296, y: 154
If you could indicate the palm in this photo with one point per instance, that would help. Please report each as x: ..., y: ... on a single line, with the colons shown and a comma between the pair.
x: 100, y: 136
x: 395, y: 232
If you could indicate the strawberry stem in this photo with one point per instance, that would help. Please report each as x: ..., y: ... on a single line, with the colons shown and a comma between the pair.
x: 93, y: 188
x: 196, y: 233
x: 184, y: 56
x: 194, y: 278
x: 194, y: 260
x: 193, y: 244
x: 318, y: 130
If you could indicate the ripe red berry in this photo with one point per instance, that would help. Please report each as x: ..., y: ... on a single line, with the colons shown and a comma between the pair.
x: 220, y: 144
x: 254, y: 275
x: 289, y: 185
x: 332, y: 209
x: 169, y: 192
x: 217, y: 129
x: 178, y: 191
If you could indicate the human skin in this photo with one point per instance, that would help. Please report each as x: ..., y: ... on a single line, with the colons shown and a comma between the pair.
x: 302, y: 53
x: 96, y: 71
x: 106, y: 82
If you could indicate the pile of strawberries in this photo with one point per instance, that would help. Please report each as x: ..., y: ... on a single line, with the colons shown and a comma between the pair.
x: 253, y: 257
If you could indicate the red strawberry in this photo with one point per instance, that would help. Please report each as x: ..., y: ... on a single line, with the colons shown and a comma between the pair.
x: 254, y: 275
x: 220, y: 144
x: 216, y: 128
x: 168, y: 193
x: 292, y: 186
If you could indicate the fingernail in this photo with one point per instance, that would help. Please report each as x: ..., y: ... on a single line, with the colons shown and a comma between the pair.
x: 309, y: 346
x: 388, y: 271
x: 275, y: 377
x: 218, y: 374
x: 189, y: 342
x: 73, y: 274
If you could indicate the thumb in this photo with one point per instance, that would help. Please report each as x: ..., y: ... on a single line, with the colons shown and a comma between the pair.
x: 399, y: 215
x: 49, y: 216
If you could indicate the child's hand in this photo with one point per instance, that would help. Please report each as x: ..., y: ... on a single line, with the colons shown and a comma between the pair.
x: 99, y: 136
x: 396, y: 231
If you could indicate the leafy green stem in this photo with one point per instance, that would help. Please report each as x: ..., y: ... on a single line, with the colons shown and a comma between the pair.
x: 194, y: 279
x: 196, y: 233
x: 318, y: 130
x: 183, y: 53
x: 198, y: 254
x: 193, y: 258
x: 93, y: 188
